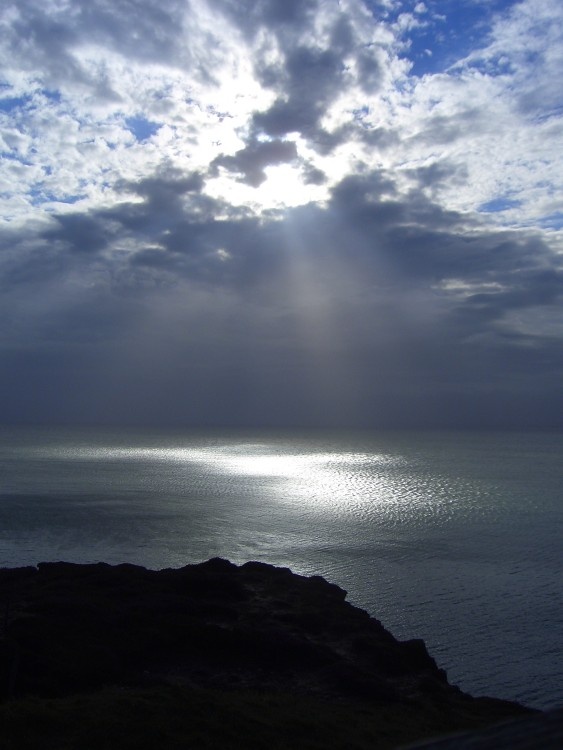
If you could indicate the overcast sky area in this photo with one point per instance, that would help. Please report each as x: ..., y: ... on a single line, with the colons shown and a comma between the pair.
x: 282, y: 213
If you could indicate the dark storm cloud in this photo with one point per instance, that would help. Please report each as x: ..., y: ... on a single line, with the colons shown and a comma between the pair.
x: 166, y: 196
x: 380, y: 137
x: 436, y: 174
x: 80, y: 233
x: 338, y: 313
x: 528, y: 289
x: 366, y: 225
x: 314, y: 176
x: 166, y: 186
x: 376, y: 307
x: 367, y: 229
x: 418, y: 241
x: 369, y: 71
x: 251, y: 161
x: 284, y: 16
x: 310, y: 79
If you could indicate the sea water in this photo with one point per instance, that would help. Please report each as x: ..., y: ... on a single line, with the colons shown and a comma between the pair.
x: 451, y: 537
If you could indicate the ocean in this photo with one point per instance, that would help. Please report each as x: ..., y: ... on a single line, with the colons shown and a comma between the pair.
x: 453, y: 537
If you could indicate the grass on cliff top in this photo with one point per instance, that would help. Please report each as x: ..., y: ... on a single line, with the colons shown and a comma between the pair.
x: 171, y: 718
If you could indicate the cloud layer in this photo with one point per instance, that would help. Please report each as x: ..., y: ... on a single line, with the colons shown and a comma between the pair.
x: 283, y: 213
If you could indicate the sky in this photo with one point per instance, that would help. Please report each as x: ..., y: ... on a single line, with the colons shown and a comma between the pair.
x: 284, y: 213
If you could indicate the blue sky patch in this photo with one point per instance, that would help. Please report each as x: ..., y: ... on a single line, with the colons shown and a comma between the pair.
x: 39, y: 196
x: 553, y: 221
x: 499, y: 204
x: 142, y: 128
x: 12, y: 103
x: 52, y: 96
x: 449, y: 31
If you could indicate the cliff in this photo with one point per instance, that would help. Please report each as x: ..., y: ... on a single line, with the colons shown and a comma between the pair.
x: 212, y: 655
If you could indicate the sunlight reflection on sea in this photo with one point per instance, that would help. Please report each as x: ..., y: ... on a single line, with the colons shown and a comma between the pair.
x: 449, y: 537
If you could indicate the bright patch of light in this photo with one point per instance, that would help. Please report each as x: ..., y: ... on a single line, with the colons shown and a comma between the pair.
x: 272, y: 466
x: 467, y: 289
x: 339, y: 482
x: 283, y: 188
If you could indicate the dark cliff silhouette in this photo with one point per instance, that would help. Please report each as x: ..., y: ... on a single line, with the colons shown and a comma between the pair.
x: 281, y: 659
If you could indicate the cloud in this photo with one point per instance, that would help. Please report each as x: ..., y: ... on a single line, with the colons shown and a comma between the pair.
x: 49, y: 37
x: 221, y: 213
x: 251, y: 160
x: 311, y: 78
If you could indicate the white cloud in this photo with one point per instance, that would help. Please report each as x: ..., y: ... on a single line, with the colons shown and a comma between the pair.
x: 202, y: 71
x: 496, y: 115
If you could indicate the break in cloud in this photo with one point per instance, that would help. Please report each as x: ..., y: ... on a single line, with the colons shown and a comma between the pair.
x: 286, y: 212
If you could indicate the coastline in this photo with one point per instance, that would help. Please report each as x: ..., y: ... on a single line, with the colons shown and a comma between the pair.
x: 224, y: 641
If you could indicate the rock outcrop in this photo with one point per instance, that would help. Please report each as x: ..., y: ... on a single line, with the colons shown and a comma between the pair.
x: 69, y: 629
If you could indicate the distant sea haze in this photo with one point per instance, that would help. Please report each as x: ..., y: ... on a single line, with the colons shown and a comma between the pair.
x: 448, y: 536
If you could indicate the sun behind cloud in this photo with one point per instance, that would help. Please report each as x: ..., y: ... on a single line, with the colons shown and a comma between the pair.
x: 283, y: 186
x: 284, y: 196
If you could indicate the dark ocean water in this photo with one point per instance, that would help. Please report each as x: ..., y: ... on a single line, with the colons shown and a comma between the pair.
x: 451, y: 537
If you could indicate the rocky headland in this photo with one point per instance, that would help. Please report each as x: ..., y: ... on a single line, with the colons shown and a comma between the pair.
x: 212, y: 656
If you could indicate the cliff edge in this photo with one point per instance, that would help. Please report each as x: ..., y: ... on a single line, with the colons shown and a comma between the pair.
x: 244, y: 656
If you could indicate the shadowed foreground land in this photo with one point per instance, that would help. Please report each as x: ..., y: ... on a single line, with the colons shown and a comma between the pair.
x: 212, y: 656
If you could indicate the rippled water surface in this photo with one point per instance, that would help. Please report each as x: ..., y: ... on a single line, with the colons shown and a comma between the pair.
x: 452, y: 537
